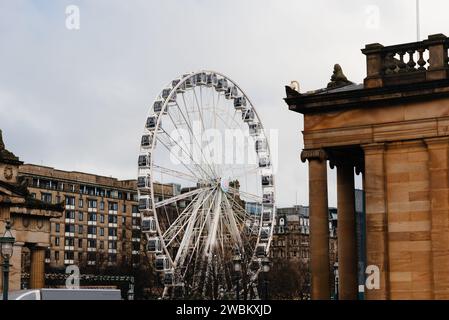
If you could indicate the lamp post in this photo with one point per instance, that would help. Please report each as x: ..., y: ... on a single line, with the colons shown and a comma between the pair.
x: 336, y: 277
x: 237, y: 268
x: 265, y: 270
x: 6, y: 250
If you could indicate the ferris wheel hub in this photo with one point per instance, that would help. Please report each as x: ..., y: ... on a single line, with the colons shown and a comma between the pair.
x: 224, y: 184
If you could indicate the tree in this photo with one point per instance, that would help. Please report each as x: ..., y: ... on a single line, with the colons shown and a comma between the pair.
x: 289, y: 280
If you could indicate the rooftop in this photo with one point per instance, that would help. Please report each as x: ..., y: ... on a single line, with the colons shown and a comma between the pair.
x: 88, y: 178
x: 395, y: 74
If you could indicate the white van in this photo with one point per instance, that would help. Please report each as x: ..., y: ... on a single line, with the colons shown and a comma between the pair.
x: 66, y: 294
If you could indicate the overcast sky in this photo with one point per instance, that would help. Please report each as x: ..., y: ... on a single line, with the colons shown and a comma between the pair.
x: 77, y: 99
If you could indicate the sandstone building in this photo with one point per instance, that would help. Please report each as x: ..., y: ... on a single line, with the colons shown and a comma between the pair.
x: 29, y: 218
x: 100, y: 225
x: 394, y: 130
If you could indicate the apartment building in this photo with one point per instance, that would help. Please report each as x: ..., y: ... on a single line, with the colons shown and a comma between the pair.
x: 101, y: 221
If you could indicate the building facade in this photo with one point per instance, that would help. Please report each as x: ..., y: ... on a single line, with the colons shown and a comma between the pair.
x: 392, y: 129
x: 291, y: 234
x: 29, y: 219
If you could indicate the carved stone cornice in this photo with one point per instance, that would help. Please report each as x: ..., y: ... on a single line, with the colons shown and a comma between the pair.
x: 313, y: 154
x: 439, y: 142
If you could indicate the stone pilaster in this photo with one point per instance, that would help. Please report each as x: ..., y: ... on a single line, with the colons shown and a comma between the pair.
x: 438, y: 150
x: 37, y: 271
x: 376, y: 217
x: 346, y: 232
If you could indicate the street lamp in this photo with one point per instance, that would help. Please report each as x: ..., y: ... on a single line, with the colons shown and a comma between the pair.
x: 336, y: 277
x: 6, y: 250
x: 265, y: 270
x: 237, y: 268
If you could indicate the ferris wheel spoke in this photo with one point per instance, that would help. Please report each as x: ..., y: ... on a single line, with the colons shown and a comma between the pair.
x: 212, y: 234
x: 201, y: 172
x: 182, y: 196
x: 247, y: 194
x: 175, y: 226
x: 208, y: 174
x: 185, y: 243
x: 232, y: 225
x: 193, y: 136
x: 242, y: 210
x: 196, y: 248
x: 200, y: 113
x: 175, y: 173
x: 212, y: 170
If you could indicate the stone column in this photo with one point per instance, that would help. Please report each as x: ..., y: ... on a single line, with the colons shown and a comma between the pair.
x: 376, y: 219
x: 319, y: 223
x: 37, y: 272
x: 346, y: 232
x: 15, y: 275
x: 438, y: 150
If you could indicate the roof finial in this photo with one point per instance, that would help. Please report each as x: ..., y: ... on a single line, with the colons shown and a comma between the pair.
x: 338, y: 78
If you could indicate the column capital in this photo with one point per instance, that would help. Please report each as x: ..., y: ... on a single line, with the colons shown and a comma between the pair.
x: 436, y: 142
x: 40, y: 245
x: 374, y: 147
x: 314, y: 154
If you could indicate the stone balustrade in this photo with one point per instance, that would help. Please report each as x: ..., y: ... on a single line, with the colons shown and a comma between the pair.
x: 414, y: 62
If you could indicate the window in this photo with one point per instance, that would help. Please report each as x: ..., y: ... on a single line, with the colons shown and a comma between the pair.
x: 69, y: 214
x: 92, y: 203
x: 101, y: 218
x: 92, y: 230
x: 57, y: 241
x: 112, y: 244
x: 92, y: 216
x: 69, y: 242
x: 113, y: 206
x: 112, y: 219
x: 92, y: 243
x: 57, y: 255
x: 46, y: 197
x: 70, y: 201
x: 124, y: 208
x: 80, y: 243
x: 58, y: 199
x: 123, y: 221
x: 80, y: 216
x: 80, y: 203
x: 101, y: 244
x: 57, y: 227
x: 80, y: 229
x: 69, y: 255
x: 135, y: 209
x: 112, y: 258
x: 135, y: 234
x: 112, y: 232
x: 33, y: 195
x: 101, y: 231
x: 102, y: 205
x: 135, y: 222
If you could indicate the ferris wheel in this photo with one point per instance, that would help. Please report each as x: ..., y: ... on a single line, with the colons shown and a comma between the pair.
x: 206, y: 188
